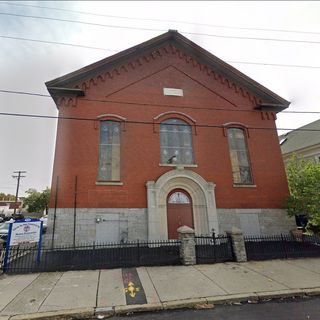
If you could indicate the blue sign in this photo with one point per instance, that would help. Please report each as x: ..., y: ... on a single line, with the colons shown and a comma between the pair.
x: 22, y: 232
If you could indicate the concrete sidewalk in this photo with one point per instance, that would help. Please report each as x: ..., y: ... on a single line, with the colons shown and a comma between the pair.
x: 104, y: 292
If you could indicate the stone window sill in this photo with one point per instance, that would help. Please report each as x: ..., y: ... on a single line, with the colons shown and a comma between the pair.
x: 109, y: 183
x: 244, y: 186
x: 178, y: 165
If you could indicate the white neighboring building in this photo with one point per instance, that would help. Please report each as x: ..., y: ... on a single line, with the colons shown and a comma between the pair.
x: 304, y: 142
x: 7, y: 207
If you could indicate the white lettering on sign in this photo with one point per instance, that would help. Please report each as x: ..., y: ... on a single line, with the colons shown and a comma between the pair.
x: 25, y: 232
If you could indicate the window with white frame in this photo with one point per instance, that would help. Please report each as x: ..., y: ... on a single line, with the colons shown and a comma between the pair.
x: 109, y: 151
x: 239, y: 156
x: 176, y: 142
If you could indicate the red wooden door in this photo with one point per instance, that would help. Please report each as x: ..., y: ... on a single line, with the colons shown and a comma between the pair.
x: 179, y: 212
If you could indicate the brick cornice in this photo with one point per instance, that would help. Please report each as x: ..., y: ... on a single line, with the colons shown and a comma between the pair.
x: 158, y: 53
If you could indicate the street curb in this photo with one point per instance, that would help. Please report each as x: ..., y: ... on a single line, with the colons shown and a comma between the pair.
x: 118, y: 310
x: 280, y: 294
x: 106, y: 312
x: 185, y: 303
x: 86, y: 313
x: 312, y: 291
x: 232, y: 298
x: 252, y: 297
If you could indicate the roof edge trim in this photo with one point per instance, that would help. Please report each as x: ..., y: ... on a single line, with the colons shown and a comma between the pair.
x: 61, y: 91
x: 272, y: 107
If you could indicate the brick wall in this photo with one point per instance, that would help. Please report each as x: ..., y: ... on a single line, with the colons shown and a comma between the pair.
x: 78, y: 141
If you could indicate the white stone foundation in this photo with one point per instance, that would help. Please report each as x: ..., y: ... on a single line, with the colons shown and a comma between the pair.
x: 256, y: 221
x: 130, y: 224
x: 99, y: 225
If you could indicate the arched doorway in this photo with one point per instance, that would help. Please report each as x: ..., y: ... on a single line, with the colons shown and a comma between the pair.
x: 201, y: 192
x: 179, y: 212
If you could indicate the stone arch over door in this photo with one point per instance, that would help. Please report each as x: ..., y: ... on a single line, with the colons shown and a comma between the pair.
x: 201, y: 193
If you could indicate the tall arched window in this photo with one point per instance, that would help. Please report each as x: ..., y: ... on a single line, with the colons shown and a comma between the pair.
x: 109, y: 151
x: 239, y: 156
x: 176, y: 142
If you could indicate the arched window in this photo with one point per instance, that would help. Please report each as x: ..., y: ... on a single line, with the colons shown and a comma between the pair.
x: 178, y: 197
x: 176, y: 142
x: 109, y: 151
x: 239, y: 156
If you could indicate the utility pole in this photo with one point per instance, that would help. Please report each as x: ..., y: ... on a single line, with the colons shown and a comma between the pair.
x: 19, y: 176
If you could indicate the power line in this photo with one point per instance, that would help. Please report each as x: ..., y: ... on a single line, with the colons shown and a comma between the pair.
x: 188, y: 107
x: 81, y: 22
x: 170, y: 106
x: 251, y: 38
x: 162, y: 20
x: 145, y: 122
x: 153, y: 104
x: 25, y: 93
x: 158, y: 30
x: 275, y: 64
x: 112, y: 50
x: 55, y: 42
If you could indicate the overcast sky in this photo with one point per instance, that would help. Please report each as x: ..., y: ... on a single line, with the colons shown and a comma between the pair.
x: 28, y: 143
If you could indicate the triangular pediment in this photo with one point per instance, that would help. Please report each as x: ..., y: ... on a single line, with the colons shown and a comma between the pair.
x: 170, y: 77
x: 77, y: 82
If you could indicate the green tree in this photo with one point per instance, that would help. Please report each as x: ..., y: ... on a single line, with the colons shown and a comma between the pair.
x: 7, y: 197
x: 304, y: 185
x: 37, y: 201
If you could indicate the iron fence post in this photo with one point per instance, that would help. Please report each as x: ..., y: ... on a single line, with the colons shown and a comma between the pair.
x: 284, y: 246
x: 55, y: 212
x: 214, y: 246
x: 7, y: 252
x: 17, y: 255
x: 138, y: 251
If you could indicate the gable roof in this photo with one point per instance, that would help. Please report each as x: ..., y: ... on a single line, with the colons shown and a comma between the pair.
x: 66, y: 84
x: 300, y: 139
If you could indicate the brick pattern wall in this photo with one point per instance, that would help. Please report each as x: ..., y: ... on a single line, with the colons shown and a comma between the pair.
x: 78, y: 141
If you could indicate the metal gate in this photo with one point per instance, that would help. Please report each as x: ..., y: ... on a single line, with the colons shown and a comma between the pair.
x: 213, y: 249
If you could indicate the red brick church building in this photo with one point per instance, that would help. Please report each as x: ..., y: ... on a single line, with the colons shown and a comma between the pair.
x: 161, y: 135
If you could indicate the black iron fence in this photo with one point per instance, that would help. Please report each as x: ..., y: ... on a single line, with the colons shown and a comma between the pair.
x: 209, y: 249
x: 94, y: 256
x: 282, y: 247
x: 213, y: 249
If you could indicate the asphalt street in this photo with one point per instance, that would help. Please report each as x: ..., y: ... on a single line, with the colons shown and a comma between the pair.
x: 293, y: 309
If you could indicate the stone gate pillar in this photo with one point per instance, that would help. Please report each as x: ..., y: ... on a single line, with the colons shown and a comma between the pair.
x: 238, y: 245
x: 188, y: 246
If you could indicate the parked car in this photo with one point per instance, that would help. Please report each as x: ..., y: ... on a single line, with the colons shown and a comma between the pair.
x: 4, y: 229
x: 18, y: 216
x: 44, y: 223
